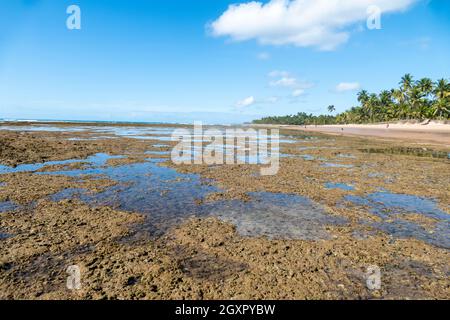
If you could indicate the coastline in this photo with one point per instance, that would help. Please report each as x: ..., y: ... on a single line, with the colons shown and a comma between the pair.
x: 434, y: 132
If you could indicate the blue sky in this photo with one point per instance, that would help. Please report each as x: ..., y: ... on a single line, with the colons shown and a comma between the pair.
x: 165, y: 60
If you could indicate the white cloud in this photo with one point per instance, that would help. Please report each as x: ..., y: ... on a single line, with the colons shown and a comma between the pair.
x: 347, y: 86
x: 289, y: 82
x: 298, y: 92
x: 263, y: 56
x: 285, y: 79
x: 305, y: 23
x: 245, y: 102
x: 278, y: 73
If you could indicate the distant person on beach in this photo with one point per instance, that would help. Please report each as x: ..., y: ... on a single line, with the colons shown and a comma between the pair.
x: 387, y: 126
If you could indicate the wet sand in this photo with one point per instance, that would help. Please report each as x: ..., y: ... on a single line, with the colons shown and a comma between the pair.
x: 140, y: 227
x: 430, y: 133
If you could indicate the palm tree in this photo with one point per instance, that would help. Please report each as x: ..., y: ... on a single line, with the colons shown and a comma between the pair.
x: 441, y: 104
x: 406, y: 82
x: 372, y: 106
x: 406, y: 85
x: 387, y: 105
x: 442, y: 89
x: 331, y: 109
x: 363, y: 96
x: 426, y: 86
x: 440, y: 109
x: 417, y: 103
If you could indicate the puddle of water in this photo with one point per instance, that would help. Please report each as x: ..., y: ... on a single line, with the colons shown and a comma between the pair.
x: 307, y: 157
x: 92, y: 138
x: 33, y: 167
x: 98, y: 159
x: 343, y: 186
x: 387, y: 205
x: 336, y: 165
x: 278, y: 216
x: 159, y: 145
x: 160, y: 193
x: 167, y: 198
x: 7, y: 206
x: 346, y: 156
x: 4, y: 236
x: 375, y: 175
x: 157, y: 152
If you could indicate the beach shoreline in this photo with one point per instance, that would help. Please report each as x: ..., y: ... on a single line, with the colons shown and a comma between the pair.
x: 433, y: 132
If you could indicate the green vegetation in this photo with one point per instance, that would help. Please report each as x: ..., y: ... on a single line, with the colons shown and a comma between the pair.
x: 413, y: 100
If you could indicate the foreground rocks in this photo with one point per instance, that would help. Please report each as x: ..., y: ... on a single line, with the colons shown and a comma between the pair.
x: 202, y: 259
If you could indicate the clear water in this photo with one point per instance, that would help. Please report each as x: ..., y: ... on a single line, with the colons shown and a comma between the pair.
x: 346, y: 156
x: 307, y: 157
x: 4, y: 236
x: 336, y: 165
x: 389, y: 205
x: 278, y: 216
x: 7, y: 206
x: 167, y: 198
x: 342, y: 186
x: 96, y: 160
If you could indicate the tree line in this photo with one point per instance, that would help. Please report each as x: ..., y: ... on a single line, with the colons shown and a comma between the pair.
x: 412, y: 100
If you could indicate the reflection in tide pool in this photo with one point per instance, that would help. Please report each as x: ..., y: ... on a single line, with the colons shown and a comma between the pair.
x: 336, y: 165
x: 167, y: 198
x: 98, y: 159
x: 343, y: 186
x: 7, y: 206
x: 389, y: 206
x: 278, y: 216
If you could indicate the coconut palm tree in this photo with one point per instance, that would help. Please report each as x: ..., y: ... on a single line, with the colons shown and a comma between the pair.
x: 441, y: 104
x: 426, y: 86
x: 386, y: 105
x: 440, y: 109
x: 372, y: 106
x: 442, y: 89
x: 363, y: 97
x: 406, y: 83
x: 331, y: 109
x: 417, y: 103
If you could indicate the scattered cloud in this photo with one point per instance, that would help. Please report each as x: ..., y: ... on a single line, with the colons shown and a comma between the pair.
x: 321, y: 24
x: 298, y: 92
x: 347, y: 86
x: 286, y: 80
x: 263, y: 56
x: 278, y: 73
x: 245, y: 102
x: 289, y: 82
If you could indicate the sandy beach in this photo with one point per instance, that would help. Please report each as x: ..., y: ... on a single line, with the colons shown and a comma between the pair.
x: 433, y: 132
